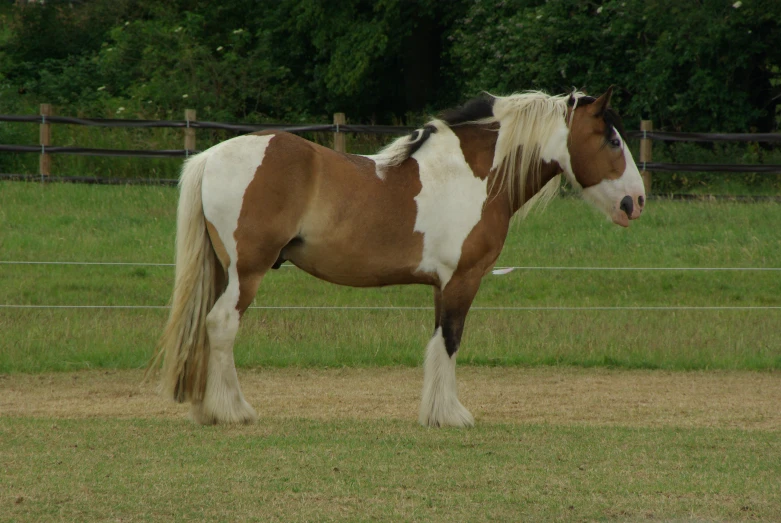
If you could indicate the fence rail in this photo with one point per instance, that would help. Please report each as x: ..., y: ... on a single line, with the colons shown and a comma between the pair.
x: 338, y: 128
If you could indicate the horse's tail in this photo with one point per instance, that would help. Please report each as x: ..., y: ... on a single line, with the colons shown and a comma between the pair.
x: 184, y: 345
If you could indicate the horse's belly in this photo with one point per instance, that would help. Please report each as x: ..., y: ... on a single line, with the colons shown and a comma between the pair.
x: 356, y: 268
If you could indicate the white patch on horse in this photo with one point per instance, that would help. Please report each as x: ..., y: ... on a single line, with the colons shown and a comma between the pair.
x: 555, y: 150
x: 439, y: 406
x: 450, y: 202
x: 230, y: 168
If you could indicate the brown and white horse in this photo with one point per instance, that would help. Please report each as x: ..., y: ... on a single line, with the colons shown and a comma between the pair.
x: 433, y: 208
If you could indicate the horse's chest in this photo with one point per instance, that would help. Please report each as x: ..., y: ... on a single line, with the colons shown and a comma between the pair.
x: 449, y: 205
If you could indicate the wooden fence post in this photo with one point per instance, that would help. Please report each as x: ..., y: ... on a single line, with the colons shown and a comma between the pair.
x: 45, y: 161
x: 339, y: 141
x: 189, y: 132
x: 645, y: 154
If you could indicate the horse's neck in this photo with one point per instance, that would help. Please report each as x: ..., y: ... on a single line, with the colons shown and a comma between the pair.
x: 534, y: 184
x: 478, y: 144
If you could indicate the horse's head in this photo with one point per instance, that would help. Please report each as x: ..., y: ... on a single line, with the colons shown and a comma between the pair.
x: 600, y: 161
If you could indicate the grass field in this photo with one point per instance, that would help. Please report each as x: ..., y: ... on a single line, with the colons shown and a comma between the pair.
x: 550, y: 444
x: 337, y: 390
x: 136, y: 224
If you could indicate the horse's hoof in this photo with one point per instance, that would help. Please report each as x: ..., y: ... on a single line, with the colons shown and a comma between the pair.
x: 242, y: 414
x: 453, y: 416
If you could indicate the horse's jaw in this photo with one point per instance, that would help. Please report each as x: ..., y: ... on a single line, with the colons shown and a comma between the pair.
x: 621, y: 199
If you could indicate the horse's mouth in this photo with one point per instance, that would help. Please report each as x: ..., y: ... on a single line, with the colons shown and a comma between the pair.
x: 628, y: 210
x: 620, y: 218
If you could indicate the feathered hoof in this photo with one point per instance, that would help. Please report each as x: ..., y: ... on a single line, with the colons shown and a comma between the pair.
x: 453, y: 414
x: 238, y: 413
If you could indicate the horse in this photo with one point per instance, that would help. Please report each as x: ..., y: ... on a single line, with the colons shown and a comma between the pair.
x: 431, y: 208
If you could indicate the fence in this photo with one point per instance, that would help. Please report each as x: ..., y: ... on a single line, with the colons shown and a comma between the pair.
x: 190, y: 124
x: 497, y: 272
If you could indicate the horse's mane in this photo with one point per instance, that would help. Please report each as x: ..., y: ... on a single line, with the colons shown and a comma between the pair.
x: 525, y: 121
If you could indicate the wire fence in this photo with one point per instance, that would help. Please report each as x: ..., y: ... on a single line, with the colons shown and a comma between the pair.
x: 498, y: 271
x: 409, y: 308
x: 189, y: 125
x: 504, y: 269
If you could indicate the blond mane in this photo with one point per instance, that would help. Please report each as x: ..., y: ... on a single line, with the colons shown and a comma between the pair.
x: 526, y: 123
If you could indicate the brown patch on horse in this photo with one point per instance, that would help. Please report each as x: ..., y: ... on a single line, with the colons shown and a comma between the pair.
x: 477, y: 144
x: 587, y: 135
x: 218, y: 246
x: 365, y: 239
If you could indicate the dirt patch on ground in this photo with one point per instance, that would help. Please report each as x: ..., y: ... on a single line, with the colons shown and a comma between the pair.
x: 748, y: 400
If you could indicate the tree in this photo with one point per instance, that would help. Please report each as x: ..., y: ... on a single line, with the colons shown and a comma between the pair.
x: 698, y: 66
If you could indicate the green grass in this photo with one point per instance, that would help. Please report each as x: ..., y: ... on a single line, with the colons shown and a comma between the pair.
x: 136, y: 224
x: 301, y: 470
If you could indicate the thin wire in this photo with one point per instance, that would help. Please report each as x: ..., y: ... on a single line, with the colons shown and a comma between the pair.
x: 393, y: 308
x: 85, y: 263
x: 643, y: 268
x: 537, y: 268
x: 84, y: 306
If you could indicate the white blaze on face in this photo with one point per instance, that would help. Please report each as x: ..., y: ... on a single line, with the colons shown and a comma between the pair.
x: 230, y: 168
x: 607, y: 194
x: 450, y: 202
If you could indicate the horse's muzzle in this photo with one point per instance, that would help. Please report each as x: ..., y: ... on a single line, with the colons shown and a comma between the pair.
x: 629, y: 208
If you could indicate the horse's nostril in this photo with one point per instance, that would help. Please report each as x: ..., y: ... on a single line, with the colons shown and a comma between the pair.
x: 641, y: 201
x: 627, y: 205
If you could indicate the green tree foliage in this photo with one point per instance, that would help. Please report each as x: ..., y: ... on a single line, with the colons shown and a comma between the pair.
x: 699, y: 66
x: 237, y: 59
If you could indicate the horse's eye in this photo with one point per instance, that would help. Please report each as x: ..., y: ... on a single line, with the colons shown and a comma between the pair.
x: 615, y: 142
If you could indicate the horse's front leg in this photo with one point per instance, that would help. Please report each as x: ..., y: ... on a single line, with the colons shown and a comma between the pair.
x: 440, y: 406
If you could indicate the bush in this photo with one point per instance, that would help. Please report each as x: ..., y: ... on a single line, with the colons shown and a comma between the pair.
x: 694, y: 66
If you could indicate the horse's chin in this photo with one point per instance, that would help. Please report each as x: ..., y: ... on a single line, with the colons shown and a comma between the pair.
x: 620, y: 218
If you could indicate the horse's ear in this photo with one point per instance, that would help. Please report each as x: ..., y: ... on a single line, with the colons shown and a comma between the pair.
x: 602, y: 103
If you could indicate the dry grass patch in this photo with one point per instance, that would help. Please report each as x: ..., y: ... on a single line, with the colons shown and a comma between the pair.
x: 744, y: 400
x: 551, y: 444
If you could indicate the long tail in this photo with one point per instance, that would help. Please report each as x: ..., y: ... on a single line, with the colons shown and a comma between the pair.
x: 184, y: 345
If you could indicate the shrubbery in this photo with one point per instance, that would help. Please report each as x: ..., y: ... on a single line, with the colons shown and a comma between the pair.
x: 702, y: 66
x: 710, y: 65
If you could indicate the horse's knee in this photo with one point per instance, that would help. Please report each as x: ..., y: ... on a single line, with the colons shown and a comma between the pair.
x: 222, y: 323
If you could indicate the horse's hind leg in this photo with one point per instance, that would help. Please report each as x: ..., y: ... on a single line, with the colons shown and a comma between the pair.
x: 223, y: 400
x: 439, y: 405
